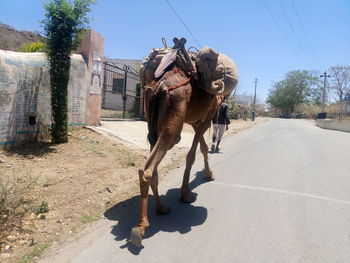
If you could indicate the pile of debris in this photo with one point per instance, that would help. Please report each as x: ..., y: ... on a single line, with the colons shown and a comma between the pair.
x: 215, y: 72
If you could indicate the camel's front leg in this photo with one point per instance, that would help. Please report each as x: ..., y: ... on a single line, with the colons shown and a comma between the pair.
x: 186, y: 195
x: 204, y: 149
x: 200, y: 129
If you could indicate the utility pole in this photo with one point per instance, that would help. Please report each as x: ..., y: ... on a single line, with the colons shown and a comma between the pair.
x: 254, y: 112
x: 325, y: 76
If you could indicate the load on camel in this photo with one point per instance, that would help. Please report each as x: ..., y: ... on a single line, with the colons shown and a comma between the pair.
x: 179, y: 87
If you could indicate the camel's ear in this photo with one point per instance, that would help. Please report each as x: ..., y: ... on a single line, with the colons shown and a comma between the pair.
x: 176, y: 42
x: 179, y: 43
x: 182, y: 42
x: 207, y: 52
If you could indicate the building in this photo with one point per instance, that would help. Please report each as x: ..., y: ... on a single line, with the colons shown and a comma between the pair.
x: 244, y: 99
x: 346, y: 103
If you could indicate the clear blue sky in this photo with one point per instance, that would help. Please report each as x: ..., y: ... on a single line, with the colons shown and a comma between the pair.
x: 266, y: 38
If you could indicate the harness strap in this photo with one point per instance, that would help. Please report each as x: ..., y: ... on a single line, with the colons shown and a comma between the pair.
x: 186, y: 81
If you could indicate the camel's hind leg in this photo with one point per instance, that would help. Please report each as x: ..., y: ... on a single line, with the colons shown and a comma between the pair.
x: 146, y: 178
x: 168, y: 137
x: 160, y: 208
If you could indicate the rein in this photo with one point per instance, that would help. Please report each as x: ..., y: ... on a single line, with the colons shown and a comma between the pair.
x: 186, y: 81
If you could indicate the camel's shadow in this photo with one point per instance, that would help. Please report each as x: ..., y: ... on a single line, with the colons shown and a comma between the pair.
x: 181, y: 219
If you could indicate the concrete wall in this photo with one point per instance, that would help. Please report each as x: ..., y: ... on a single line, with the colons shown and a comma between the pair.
x: 334, y: 125
x: 25, y: 101
x: 92, y: 50
x: 346, y: 106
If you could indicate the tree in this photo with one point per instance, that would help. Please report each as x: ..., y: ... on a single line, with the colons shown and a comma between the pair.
x: 297, y: 88
x: 64, y: 23
x: 260, y: 109
x: 339, y: 82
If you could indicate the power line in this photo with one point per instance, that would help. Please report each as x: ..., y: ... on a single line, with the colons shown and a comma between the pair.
x: 304, y: 33
x: 281, y: 31
x: 187, y: 28
x: 294, y: 32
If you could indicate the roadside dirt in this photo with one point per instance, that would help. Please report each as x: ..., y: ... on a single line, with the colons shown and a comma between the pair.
x: 73, y: 184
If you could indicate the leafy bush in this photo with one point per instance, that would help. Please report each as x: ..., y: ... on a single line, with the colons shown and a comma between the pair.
x: 42, y: 208
x: 231, y: 107
x: 308, y: 111
x: 238, y: 111
x: 135, y: 110
x: 32, y: 47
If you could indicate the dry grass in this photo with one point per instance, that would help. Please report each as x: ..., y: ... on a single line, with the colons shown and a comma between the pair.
x: 15, y: 201
x: 50, y: 192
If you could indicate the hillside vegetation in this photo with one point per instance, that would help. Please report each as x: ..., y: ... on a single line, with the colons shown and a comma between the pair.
x: 12, y: 39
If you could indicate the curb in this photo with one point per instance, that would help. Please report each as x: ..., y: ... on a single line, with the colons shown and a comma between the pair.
x: 334, y: 125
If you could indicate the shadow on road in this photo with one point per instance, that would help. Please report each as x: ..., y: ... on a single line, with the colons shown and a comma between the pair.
x: 181, y: 219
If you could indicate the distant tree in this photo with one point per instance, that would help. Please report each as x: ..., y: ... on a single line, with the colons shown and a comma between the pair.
x: 259, y: 106
x: 64, y: 22
x: 4, y: 44
x: 297, y: 88
x: 339, y: 83
x: 260, y: 109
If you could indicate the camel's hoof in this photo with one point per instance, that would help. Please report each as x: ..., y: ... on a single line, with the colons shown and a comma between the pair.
x: 163, y: 210
x: 188, y: 199
x: 136, y: 236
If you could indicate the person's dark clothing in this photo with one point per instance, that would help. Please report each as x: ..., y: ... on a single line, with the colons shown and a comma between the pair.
x: 221, y: 114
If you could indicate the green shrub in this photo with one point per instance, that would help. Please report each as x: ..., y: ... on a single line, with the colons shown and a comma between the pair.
x: 32, y: 47
x: 42, y: 208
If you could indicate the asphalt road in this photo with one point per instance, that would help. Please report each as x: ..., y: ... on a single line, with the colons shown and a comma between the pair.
x: 282, y: 194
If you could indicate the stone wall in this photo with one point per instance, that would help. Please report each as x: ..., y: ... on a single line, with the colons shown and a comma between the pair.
x: 25, y: 110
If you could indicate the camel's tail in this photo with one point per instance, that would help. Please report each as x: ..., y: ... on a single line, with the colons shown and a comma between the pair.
x: 152, y: 102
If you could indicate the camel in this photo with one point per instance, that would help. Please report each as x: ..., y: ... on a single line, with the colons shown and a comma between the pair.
x: 171, y: 101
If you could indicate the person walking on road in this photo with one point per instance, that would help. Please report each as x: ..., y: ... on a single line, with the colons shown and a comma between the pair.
x: 220, y: 121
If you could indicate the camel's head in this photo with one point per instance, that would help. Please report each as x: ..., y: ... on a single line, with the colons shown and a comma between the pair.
x: 217, y: 73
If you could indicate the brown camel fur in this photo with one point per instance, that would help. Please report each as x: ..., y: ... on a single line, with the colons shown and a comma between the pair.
x: 167, y: 110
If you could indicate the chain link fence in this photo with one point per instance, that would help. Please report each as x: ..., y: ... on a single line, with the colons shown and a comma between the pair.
x: 121, y: 92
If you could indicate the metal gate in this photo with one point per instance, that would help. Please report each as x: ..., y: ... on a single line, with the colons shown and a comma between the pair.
x: 121, y: 92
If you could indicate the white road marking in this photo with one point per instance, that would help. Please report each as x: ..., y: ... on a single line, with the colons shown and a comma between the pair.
x: 287, y: 192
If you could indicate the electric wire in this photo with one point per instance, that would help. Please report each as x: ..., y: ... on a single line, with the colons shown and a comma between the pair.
x: 304, y: 33
x: 294, y: 32
x: 187, y: 28
x: 281, y: 31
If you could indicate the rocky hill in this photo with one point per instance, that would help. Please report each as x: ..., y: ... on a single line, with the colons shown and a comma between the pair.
x: 12, y: 39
